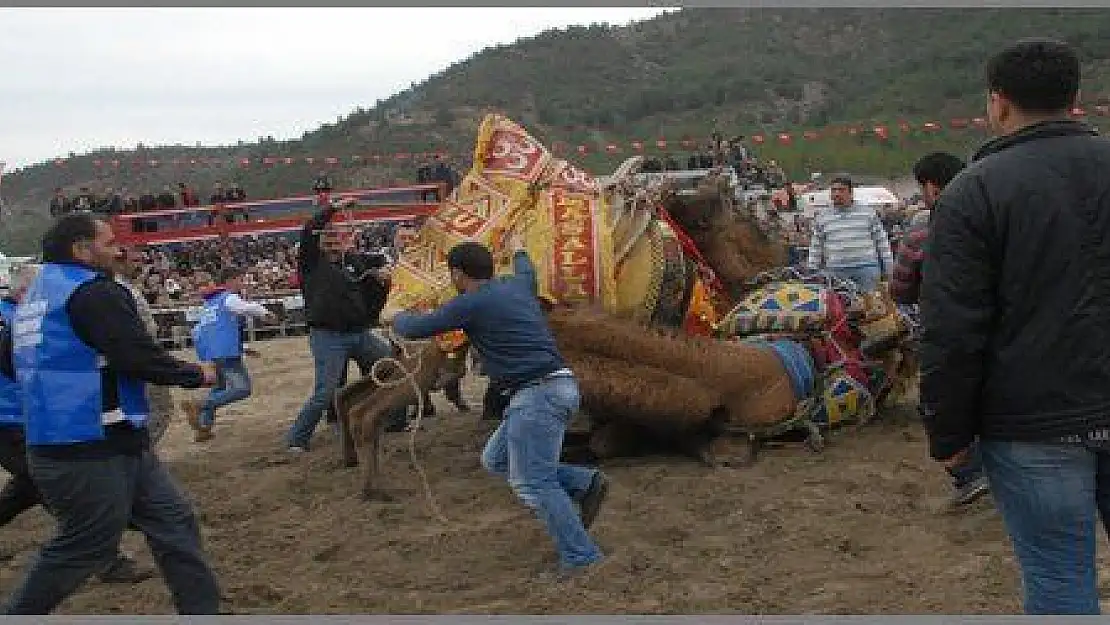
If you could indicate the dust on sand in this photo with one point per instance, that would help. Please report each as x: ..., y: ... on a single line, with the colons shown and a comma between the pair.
x: 852, y: 530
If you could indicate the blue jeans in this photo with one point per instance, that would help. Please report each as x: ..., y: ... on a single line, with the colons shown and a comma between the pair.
x: 526, y: 448
x: 1051, y: 496
x: 233, y: 384
x: 866, y: 277
x: 330, y: 352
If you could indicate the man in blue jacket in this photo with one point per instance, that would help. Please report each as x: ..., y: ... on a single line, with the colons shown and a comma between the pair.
x: 20, y: 493
x: 506, y: 325
x: 81, y: 355
x: 218, y: 338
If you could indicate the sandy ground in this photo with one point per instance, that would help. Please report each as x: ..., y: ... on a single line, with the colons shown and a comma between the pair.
x: 853, y: 530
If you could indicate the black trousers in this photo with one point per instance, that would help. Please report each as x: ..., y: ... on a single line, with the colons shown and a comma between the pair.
x: 20, y: 493
x: 94, y: 502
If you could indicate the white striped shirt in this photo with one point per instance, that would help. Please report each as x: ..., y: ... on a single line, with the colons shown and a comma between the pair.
x: 849, y: 237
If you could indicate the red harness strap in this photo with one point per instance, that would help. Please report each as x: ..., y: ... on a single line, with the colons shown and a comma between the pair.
x: 691, y: 250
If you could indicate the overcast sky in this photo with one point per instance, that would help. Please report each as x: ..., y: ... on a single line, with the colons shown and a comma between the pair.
x: 75, y: 80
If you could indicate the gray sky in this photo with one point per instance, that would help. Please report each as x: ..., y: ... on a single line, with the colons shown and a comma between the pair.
x: 75, y: 80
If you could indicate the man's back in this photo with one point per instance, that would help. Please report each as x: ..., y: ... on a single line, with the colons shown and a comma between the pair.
x: 1020, y: 262
x: 509, y: 329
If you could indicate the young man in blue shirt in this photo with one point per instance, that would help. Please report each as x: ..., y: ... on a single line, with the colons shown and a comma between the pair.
x: 505, y: 323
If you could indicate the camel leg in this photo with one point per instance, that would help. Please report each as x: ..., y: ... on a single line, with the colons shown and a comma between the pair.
x: 369, y: 451
x: 346, y: 439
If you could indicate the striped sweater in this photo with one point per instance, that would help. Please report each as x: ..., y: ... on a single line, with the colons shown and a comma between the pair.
x: 850, y: 237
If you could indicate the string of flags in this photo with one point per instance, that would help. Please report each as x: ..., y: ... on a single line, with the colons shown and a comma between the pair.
x: 879, y: 132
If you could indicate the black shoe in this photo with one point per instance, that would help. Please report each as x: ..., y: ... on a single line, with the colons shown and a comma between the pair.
x: 124, y: 571
x: 591, y: 501
x: 970, y: 492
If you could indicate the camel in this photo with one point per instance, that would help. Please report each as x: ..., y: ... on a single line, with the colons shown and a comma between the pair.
x: 632, y: 302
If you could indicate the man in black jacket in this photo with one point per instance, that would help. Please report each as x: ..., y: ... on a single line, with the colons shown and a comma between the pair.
x: 344, y: 293
x: 81, y: 354
x: 1015, y: 304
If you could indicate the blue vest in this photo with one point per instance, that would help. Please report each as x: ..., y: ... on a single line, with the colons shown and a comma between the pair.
x: 11, y: 403
x: 58, y: 373
x: 216, y: 334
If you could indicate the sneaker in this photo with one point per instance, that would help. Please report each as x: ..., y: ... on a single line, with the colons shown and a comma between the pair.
x: 562, y: 573
x: 591, y: 501
x: 970, y: 492
x: 204, y: 434
x: 296, y: 449
x: 125, y: 571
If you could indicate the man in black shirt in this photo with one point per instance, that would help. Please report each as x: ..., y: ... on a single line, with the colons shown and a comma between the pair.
x: 344, y: 293
x: 81, y: 355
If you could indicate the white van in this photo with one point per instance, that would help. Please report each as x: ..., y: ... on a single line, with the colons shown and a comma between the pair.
x: 879, y: 198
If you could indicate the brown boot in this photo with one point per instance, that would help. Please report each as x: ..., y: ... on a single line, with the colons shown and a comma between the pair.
x: 192, y: 408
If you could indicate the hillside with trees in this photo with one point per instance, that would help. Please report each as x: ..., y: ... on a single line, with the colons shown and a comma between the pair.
x: 740, y: 71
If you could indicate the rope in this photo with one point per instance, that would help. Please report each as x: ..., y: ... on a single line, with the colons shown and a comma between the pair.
x: 409, y: 375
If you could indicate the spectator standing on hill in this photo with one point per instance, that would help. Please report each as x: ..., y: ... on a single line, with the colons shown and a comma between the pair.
x: 59, y: 204
x: 1015, y: 298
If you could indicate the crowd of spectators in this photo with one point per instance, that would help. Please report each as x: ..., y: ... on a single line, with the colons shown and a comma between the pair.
x: 175, y: 274
x: 113, y: 201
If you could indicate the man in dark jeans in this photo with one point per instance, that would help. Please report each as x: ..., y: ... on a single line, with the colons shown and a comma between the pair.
x: 20, y: 493
x: 81, y: 355
x: 1015, y: 299
x: 344, y: 293
x: 933, y: 172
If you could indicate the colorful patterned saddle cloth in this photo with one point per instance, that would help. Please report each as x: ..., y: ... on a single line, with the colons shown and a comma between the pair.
x: 782, y: 307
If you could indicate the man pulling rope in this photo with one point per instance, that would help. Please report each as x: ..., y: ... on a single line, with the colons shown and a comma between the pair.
x: 506, y: 325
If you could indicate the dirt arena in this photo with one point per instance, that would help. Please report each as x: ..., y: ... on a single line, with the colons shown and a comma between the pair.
x: 855, y: 530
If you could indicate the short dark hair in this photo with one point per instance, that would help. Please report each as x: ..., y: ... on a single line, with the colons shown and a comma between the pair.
x: 844, y: 180
x: 57, y: 243
x: 1037, y: 75
x: 938, y: 168
x: 473, y: 259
